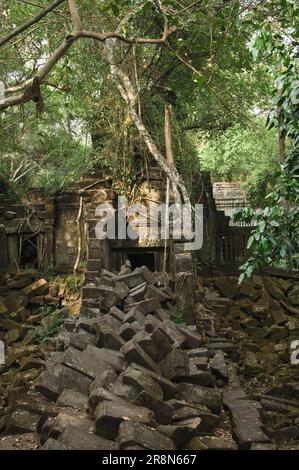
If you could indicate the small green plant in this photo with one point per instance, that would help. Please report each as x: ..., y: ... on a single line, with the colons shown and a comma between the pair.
x: 179, y: 319
x: 74, y: 283
x: 52, y: 326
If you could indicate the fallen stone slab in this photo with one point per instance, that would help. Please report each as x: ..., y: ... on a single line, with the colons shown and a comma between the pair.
x: 100, y: 394
x: 174, y: 336
x: 155, y: 345
x: 40, y: 287
x: 175, y: 364
x: 151, y: 323
x: 169, y: 388
x: 109, y: 320
x: 219, y: 443
x: 256, y: 446
x: 22, y: 421
x: 79, y: 439
x: 134, y: 353
x: 134, y: 315
x: 146, y: 306
x: 181, y: 432
x: 106, y: 357
x: 109, y: 416
x: 202, y: 395
x: 142, y: 381
x: 199, y: 352
x: 117, y: 314
x: 162, y: 410
x: 127, y: 331
x: 209, y: 421
x: 83, y: 362
x: 135, y: 433
x: 290, y: 433
x: 160, y: 294
x: 193, y: 339
x: 53, y: 427
x: 53, y: 381
x: 105, y: 379
x: 162, y: 314
x: 138, y: 293
x: 72, y: 399
x: 196, y: 377
x: 201, y: 363
x: 247, y: 424
x: 81, y: 340
x: 110, y: 339
x: 131, y: 280
x: 126, y: 392
x: 218, y: 366
x: 52, y: 444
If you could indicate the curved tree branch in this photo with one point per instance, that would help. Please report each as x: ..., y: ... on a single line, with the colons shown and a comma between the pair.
x: 30, y: 22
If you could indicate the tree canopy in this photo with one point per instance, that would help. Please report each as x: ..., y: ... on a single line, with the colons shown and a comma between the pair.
x: 87, y: 82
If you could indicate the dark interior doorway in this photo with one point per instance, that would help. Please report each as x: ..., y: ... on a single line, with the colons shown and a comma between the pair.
x: 139, y: 259
x: 28, y: 255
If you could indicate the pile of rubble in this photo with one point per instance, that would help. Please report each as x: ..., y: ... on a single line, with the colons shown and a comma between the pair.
x: 258, y: 322
x: 126, y: 376
x: 29, y: 309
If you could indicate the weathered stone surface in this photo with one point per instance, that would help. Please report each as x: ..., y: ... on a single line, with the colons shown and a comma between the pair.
x: 246, y: 419
x: 257, y: 446
x: 193, y: 339
x: 52, y: 444
x: 79, y: 439
x: 53, y: 381
x: 132, y: 279
x: 40, y: 287
x: 155, y: 344
x: 141, y: 381
x: 202, y: 395
x: 138, y: 293
x: 209, y: 421
x: 151, y: 323
x: 198, y: 352
x: 127, y: 331
x: 134, y: 315
x: 147, y: 306
x: 105, y: 379
x: 197, y: 377
x: 174, y: 336
x: 100, y: 394
x: 109, y: 415
x: 169, y: 388
x: 22, y: 421
x: 211, y: 443
x: 82, y: 362
x: 124, y: 391
x: 117, y: 314
x: 110, y: 339
x: 181, y: 432
x: 134, y: 433
x: 106, y: 357
x: 218, y: 366
x: 134, y: 353
x: 175, y: 364
x: 162, y: 410
x: 72, y: 399
x: 81, y: 340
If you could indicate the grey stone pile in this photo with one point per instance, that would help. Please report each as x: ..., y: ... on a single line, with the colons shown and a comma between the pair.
x: 126, y: 374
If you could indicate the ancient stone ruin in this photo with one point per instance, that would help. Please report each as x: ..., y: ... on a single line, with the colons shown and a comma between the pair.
x: 141, y: 359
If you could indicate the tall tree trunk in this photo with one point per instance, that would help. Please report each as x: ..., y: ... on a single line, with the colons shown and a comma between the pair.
x: 130, y: 95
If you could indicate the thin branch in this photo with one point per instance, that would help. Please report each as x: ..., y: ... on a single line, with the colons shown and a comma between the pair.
x: 77, y: 25
x: 30, y: 22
